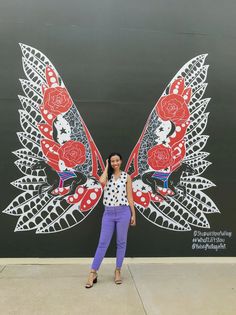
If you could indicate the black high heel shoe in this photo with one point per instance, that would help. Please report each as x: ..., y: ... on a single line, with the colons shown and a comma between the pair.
x: 95, y: 280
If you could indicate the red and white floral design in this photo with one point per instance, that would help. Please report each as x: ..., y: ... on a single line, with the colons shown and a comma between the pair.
x: 57, y: 100
x: 160, y: 157
x: 173, y: 107
x: 72, y: 153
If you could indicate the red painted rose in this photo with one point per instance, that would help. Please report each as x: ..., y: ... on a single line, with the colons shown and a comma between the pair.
x: 160, y: 157
x: 173, y: 107
x: 57, y: 100
x: 72, y: 153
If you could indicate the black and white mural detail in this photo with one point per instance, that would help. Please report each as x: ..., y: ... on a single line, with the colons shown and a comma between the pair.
x: 168, y: 161
x: 59, y: 159
x: 61, y: 163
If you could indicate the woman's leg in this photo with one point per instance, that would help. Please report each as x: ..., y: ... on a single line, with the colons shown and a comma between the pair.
x: 122, y: 226
x: 107, y: 229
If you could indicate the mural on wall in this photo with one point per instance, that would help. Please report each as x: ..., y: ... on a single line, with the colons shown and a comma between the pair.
x: 168, y: 161
x: 59, y: 158
x: 61, y: 163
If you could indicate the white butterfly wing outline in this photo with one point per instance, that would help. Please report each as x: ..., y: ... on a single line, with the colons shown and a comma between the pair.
x: 50, y: 215
x: 178, y: 212
x: 46, y: 213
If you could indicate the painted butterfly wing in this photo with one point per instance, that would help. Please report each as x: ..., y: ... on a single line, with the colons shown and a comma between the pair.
x: 168, y: 159
x: 59, y: 159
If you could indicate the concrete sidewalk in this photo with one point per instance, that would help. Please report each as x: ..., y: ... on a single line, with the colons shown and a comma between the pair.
x: 148, y: 288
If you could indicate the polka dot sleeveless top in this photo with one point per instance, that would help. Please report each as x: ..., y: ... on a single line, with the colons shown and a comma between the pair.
x: 115, y: 191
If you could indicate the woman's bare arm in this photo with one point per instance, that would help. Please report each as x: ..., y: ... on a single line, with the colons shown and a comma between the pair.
x: 130, y: 200
x: 103, y: 177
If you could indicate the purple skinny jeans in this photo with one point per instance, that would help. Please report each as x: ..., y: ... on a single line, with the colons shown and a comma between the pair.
x: 119, y: 217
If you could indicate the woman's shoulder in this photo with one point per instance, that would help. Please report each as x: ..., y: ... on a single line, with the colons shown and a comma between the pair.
x: 125, y: 174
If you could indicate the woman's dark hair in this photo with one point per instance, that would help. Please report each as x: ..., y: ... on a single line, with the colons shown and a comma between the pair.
x: 110, y: 169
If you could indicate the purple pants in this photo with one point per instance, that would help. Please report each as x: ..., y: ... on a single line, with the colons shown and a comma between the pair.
x: 118, y: 217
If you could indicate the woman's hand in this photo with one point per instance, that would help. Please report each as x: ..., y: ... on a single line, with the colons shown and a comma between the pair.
x: 103, y: 177
x: 107, y: 163
x: 133, y: 220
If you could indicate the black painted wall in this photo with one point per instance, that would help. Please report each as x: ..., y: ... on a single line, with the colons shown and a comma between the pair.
x: 116, y: 58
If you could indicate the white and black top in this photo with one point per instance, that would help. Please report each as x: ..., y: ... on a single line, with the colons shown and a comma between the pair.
x: 115, y: 191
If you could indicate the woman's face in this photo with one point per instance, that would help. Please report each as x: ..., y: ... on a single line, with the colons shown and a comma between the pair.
x: 115, y: 162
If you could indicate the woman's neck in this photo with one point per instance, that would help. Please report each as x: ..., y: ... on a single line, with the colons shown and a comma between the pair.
x: 116, y: 172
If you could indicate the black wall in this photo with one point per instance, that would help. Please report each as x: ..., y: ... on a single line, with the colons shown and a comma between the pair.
x: 116, y: 58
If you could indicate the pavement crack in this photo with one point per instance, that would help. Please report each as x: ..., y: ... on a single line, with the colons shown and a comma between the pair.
x: 3, y: 268
x: 137, y: 290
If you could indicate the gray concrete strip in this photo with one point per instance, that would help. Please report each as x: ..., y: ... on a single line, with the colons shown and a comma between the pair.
x: 109, y: 260
x: 43, y: 271
x: 61, y: 291
x: 186, y: 289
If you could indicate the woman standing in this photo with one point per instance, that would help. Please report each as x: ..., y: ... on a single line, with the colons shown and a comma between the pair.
x: 119, y: 213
